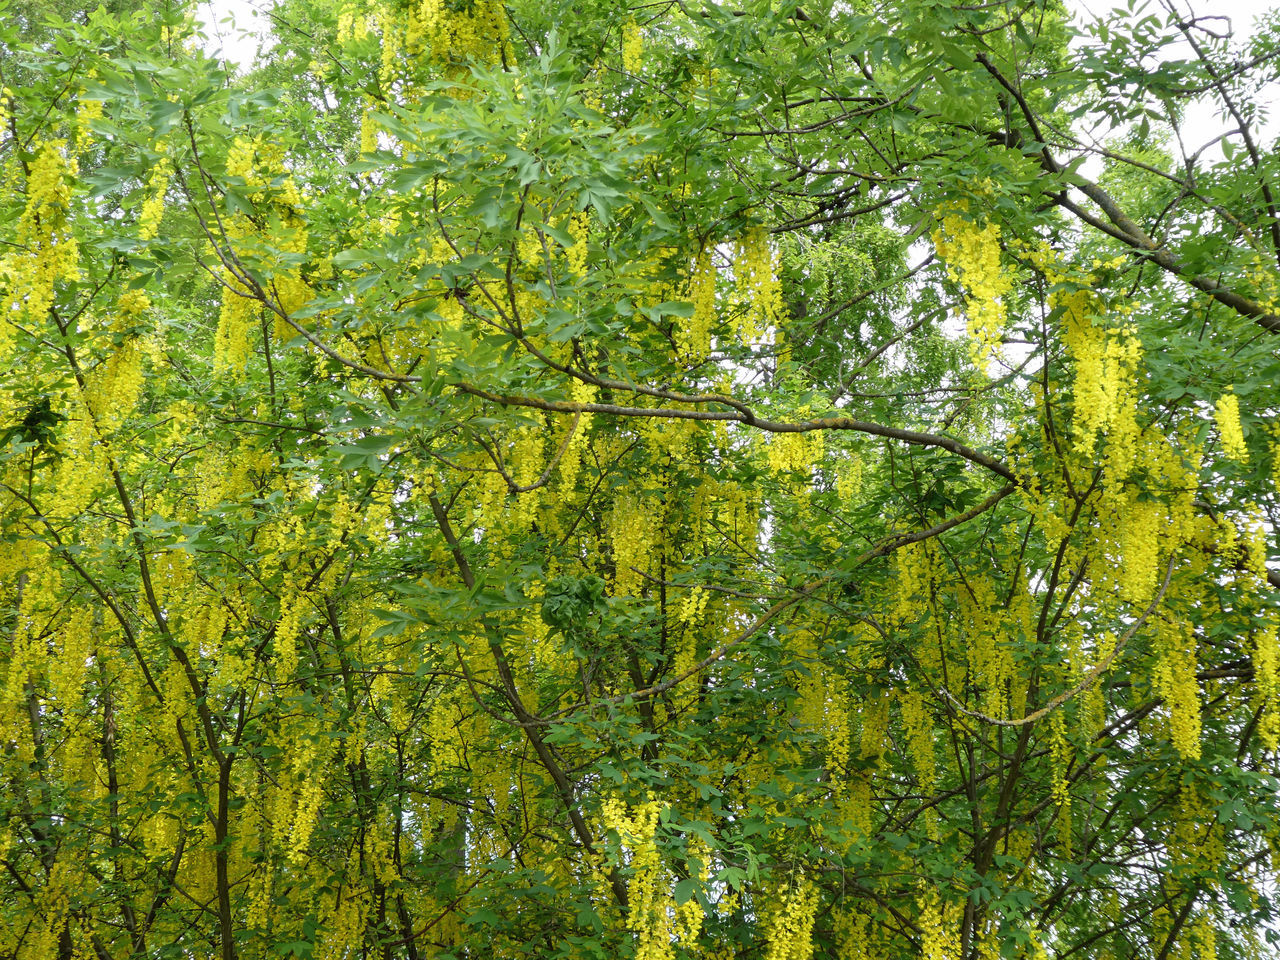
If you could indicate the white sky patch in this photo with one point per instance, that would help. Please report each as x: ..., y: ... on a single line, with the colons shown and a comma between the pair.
x: 233, y: 29
x: 1205, y: 118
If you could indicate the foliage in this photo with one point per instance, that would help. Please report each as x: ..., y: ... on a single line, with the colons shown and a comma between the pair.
x: 570, y: 479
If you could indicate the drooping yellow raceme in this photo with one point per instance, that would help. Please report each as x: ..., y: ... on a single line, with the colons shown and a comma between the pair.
x: 632, y: 537
x: 852, y: 933
x: 1203, y: 938
x: 795, y: 452
x: 790, y: 921
x: 82, y: 468
x: 693, y: 336
x: 1263, y: 277
x: 756, y: 290
x: 1254, y: 537
x: 972, y: 255
x: 152, y: 211
x: 45, y: 251
x: 914, y: 570
x: 632, y: 48
x: 1175, y: 680
x: 653, y: 915
x: 87, y: 111
x: 1106, y: 358
x: 1141, y: 526
x: 1106, y: 366
x: 577, y: 442
x: 368, y: 129
x: 272, y: 245
x: 113, y: 389
x: 393, y: 40
x: 849, y: 478
x: 1197, y: 836
x: 310, y: 797
x: 580, y: 230
x: 1061, y: 755
x: 919, y: 730
x: 837, y: 730
x: 1266, y: 674
x: 982, y: 621
x: 353, y: 23
x: 232, y: 340
x: 1226, y: 413
x: 450, y: 33
x: 939, y: 926
x: 1092, y: 714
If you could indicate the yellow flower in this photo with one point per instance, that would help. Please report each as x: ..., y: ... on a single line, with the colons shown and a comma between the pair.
x: 758, y: 291
x: 972, y: 254
x: 1227, y: 415
x: 791, y: 926
x: 632, y: 48
x: 1266, y: 672
x: 694, y: 337
x: 53, y: 253
x: 153, y: 206
x: 87, y: 111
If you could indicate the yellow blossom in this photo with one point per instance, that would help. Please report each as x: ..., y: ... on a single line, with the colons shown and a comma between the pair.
x: 790, y: 929
x: 1227, y: 415
x: 87, y: 111
x: 1266, y: 673
x: 693, y: 337
x: 580, y: 230
x: 51, y: 253
x: 153, y: 204
x: 757, y: 289
x: 972, y: 255
x: 632, y: 48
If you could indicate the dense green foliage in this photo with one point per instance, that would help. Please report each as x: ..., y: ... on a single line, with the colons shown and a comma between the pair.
x: 673, y: 480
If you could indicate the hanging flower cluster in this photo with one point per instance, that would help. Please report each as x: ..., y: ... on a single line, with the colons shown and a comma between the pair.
x: 972, y: 254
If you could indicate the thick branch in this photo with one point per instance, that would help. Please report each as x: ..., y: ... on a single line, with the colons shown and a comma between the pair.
x: 1122, y: 227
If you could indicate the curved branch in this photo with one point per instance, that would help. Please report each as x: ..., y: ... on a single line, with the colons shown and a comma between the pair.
x: 1090, y: 678
x: 743, y: 414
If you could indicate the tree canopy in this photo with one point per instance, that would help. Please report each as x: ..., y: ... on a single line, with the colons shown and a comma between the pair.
x: 569, y: 478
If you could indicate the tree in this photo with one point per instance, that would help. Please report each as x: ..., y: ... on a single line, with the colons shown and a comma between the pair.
x: 578, y: 479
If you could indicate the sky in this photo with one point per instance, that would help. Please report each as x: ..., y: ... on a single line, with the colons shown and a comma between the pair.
x: 1202, y: 122
x: 232, y: 27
